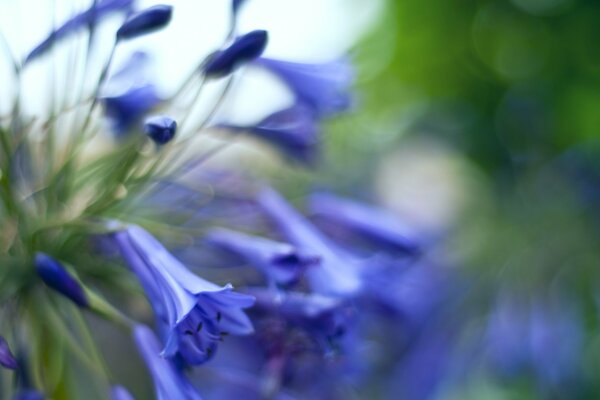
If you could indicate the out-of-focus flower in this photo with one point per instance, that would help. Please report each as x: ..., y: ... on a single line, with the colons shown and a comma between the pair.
x: 197, y: 313
x: 235, y: 6
x: 375, y: 225
x: 337, y: 274
x: 120, y: 393
x: 169, y: 383
x: 244, y: 49
x: 126, y: 109
x: 293, y: 131
x: 99, y: 10
x: 280, y: 262
x: 324, y: 88
x: 160, y: 129
x: 29, y: 394
x: 7, y: 360
x: 55, y: 276
x: 146, y: 21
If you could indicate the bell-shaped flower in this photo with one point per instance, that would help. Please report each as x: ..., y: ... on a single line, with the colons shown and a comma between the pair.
x: 160, y: 129
x: 281, y: 263
x: 146, y: 21
x: 56, y: 277
x: 7, y: 360
x: 337, y: 273
x: 243, y: 50
x: 293, y: 131
x: 169, y: 382
x: 99, y: 10
x: 324, y: 88
x: 376, y: 226
x: 195, y: 313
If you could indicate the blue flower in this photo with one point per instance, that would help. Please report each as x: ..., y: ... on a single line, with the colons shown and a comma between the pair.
x: 7, y: 360
x: 29, y: 394
x: 195, y: 313
x: 98, y: 11
x: 55, y: 276
x: 293, y: 131
x: 169, y: 383
x: 160, y: 129
x: 145, y: 21
x: 235, y: 6
x: 325, y: 88
x: 244, y: 49
x: 280, y: 262
x: 120, y: 393
x: 337, y: 274
x: 376, y: 226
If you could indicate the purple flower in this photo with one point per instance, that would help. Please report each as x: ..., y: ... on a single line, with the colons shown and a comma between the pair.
x: 280, y: 262
x: 145, y: 21
x: 293, y: 131
x: 324, y: 88
x: 55, y: 276
x: 235, y: 6
x: 98, y: 11
x: 7, y: 360
x: 245, y: 48
x: 160, y: 129
x: 29, y: 394
x: 120, y: 393
x: 195, y: 314
x: 337, y: 274
x: 376, y: 226
x: 169, y: 383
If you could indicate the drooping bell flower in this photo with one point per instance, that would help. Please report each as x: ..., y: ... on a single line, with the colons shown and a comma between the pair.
x: 169, y: 382
x: 337, y: 274
x: 196, y: 314
x: 120, y: 393
x: 7, y: 360
x: 160, y: 129
x: 324, y: 88
x: 376, y: 226
x: 56, y: 277
x: 243, y: 50
x: 146, y: 21
x: 293, y: 131
x: 96, y: 13
x: 282, y: 263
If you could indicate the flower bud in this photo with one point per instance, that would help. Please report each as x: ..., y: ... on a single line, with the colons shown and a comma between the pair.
x: 7, y: 360
x: 246, y: 48
x: 160, y: 129
x: 54, y: 275
x: 145, y: 21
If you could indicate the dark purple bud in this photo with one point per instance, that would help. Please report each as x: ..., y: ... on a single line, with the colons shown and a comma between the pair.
x: 145, y: 21
x: 120, y: 393
x: 235, y: 5
x: 246, y: 48
x: 98, y: 11
x: 160, y: 129
x: 125, y: 110
x: 54, y: 275
x: 7, y: 360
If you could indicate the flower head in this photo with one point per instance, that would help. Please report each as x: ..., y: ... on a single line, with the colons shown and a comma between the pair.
x: 244, y: 49
x: 169, y: 383
x: 145, y: 21
x: 7, y: 360
x: 160, y: 129
x: 195, y: 313
x: 55, y: 276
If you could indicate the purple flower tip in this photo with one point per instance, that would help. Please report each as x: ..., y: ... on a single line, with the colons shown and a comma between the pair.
x: 145, y: 21
x: 120, y: 393
x: 55, y: 276
x: 246, y: 48
x: 160, y: 129
x: 7, y: 360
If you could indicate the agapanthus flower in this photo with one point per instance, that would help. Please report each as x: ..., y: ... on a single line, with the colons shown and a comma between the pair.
x: 243, y: 50
x: 336, y: 274
x: 280, y: 262
x: 381, y: 228
x: 293, y: 131
x: 7, y: 360
x: 99, y: 10
x: 196, y: 313
x: 29, y: 394
x: 323, y: 88
x: 160, y: 129
x: 169, y: 382
x: 145, y: 21
x: 120, y: 393
x: 55, y: 276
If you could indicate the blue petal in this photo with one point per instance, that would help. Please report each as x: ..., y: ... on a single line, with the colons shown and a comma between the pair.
x: 145, y: 21
x: 245, y: 48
